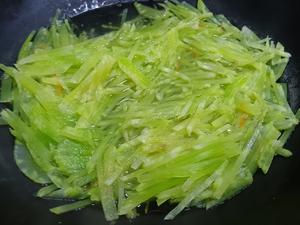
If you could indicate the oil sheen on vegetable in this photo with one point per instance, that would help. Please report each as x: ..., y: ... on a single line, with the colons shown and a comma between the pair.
x: 176, y: 105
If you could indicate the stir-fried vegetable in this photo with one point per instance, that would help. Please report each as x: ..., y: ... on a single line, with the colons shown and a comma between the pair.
x: 176, y: 105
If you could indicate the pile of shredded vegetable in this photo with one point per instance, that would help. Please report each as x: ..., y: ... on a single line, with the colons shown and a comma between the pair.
x: 177, y: 105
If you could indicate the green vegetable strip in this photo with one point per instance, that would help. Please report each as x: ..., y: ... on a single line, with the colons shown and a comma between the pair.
x: 85, y: 69
x: 26, y: 48
x: 6, y: 89
x: 197, y: 191
x: 46, y: 190
x: 28, y: 166
x: 70, y: 207
x: 176, y: 105
x: 106, y: 191
x: 133, y: 73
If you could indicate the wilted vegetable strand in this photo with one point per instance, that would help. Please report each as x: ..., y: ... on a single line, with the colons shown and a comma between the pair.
x: 176, y: 105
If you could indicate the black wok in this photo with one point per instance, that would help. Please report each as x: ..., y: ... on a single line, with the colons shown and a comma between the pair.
x: 272, y: 199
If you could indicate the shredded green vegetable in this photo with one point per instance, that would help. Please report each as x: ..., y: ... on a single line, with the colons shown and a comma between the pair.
x: 176, y: 105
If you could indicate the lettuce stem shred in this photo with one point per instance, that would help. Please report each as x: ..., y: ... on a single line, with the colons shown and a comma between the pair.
x: 177, y: 105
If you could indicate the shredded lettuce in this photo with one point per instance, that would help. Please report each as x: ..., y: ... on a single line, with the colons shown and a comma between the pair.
x: 177, y: 105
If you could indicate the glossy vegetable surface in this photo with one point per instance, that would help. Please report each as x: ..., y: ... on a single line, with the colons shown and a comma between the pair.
x: 176, y: 105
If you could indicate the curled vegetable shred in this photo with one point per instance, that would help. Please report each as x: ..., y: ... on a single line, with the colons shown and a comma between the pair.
x: 177, y: 105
